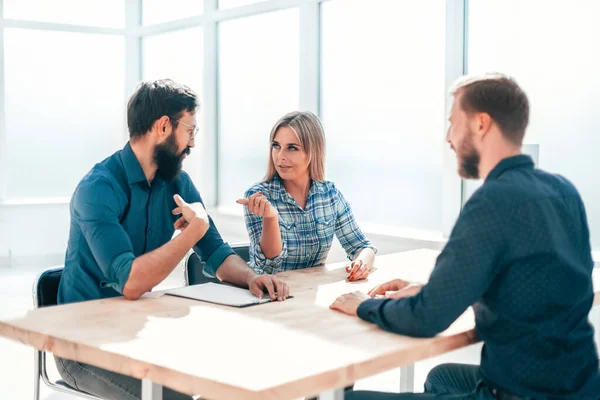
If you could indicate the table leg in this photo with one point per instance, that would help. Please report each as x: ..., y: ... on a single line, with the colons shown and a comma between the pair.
x: 407, y: 378
x: 335, y: 394
x: 151, y: 390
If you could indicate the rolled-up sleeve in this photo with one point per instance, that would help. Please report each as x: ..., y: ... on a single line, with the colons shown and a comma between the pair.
x: 258, y: 261
x: 211, y: 249
x: 98, y: 217
x: 347, y: 230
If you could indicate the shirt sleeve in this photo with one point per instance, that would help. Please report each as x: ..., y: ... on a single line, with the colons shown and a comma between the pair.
x: 347, y: 230
x: 96, y: 208
x: 464, y: 270
x: 259, y: 262
x: 211, y: 249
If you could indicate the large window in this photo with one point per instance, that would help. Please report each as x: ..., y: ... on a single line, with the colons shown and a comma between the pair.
x: 101, y: 13
x: 64, y: 108
x: 177, y: 55
x: 557, y: 65
x: 383, y: 94
x: 258, y: 84
x: 236, y: 3
x: 158, y: 11
x: 375, y: 71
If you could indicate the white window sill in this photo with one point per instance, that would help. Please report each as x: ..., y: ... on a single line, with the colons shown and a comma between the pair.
x: 40, y: 201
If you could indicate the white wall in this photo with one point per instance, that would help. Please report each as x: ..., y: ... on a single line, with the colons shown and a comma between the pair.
x: 33, y: 234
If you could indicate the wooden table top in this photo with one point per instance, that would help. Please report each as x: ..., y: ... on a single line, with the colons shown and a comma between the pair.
x: 272, y: 351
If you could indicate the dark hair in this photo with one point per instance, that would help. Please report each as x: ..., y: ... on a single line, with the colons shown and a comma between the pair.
x: 155, y: 99
x: 500, y: 97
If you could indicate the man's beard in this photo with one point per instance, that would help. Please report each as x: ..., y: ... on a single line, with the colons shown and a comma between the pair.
x: 167, y: 159
x: 468, y: 158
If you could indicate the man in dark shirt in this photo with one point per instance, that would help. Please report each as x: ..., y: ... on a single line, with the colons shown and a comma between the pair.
x: 519, y: 253
x: 123, y: 216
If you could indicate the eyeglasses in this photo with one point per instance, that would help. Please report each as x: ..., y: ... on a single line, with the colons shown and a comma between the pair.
x: 194, y: 133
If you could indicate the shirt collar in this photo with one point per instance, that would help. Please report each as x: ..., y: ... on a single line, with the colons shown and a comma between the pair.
x: 520, y: 161
x: 277, y: 186
x: 278, y: 190
x: 132, y: 166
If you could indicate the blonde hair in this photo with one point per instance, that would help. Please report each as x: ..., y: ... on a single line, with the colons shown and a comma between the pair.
x: 309, y: 131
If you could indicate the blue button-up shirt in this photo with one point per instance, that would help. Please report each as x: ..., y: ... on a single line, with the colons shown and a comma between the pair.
x: 116, y: 216
x: 306, y: 234
x: 520, y: 254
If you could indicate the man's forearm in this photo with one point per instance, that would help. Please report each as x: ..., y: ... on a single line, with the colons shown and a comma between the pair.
x: 150, y: 269
x: 235, y: 270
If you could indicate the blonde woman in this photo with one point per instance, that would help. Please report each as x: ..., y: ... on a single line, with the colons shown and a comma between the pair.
x: 292, y: 215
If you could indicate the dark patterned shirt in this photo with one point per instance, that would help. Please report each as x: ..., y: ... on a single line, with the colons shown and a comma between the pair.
x: 520, y: 254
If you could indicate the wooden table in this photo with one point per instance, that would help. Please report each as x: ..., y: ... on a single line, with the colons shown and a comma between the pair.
x: 273, y: 351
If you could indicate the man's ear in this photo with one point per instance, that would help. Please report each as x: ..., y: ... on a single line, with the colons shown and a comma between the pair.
x: 162, y: 126
x: 483, y: 124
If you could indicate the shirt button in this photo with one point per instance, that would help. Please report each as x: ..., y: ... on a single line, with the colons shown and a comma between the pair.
x: 149, y: 231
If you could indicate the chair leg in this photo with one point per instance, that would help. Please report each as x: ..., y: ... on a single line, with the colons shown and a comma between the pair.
x: 36, y: 376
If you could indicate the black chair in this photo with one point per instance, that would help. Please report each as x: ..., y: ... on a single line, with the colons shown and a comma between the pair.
x: 193, y: 268
x: 45, y: 292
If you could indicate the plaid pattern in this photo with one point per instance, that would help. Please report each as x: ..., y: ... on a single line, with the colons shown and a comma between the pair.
x: 306, y: 234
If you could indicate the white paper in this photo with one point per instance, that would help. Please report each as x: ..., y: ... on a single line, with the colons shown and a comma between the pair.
x: 219, y: 294
x: 152, y: 295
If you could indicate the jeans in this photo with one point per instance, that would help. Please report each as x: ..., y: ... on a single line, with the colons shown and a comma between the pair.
x: 446, y: 381
x: 106, y: 384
